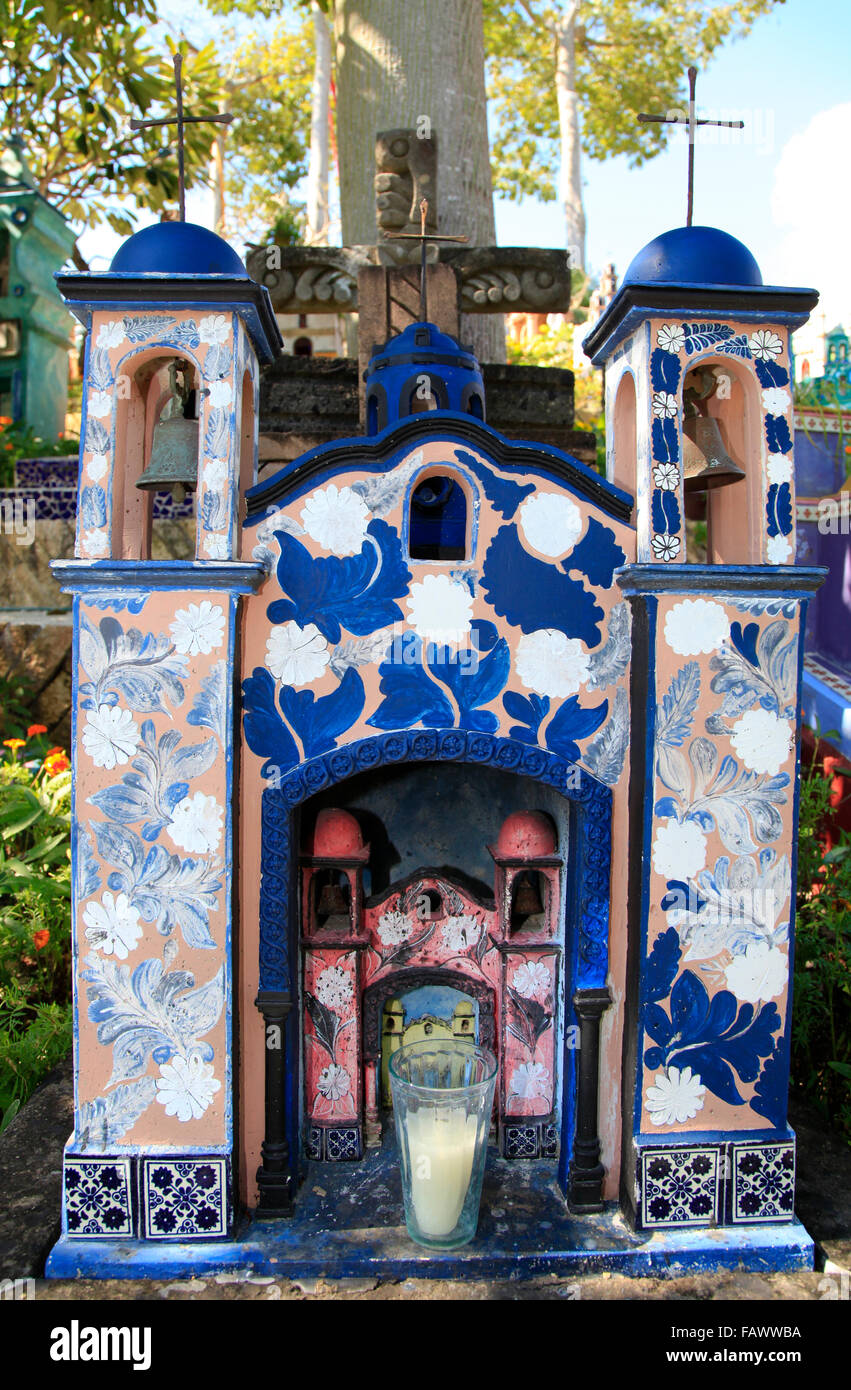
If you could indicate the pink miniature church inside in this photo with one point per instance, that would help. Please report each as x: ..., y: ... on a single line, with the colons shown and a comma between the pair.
x: 438, y: 734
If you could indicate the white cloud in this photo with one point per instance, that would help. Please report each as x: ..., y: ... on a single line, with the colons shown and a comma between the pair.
x: 811, y: 201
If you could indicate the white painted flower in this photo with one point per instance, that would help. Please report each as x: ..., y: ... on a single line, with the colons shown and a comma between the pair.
x: 778, y: 550
x: 296, y: 655
x: 196, y: 823
x: 696, y: 625
x: 198, y: 628
x: 214, y: 328
x: 394, y: 928
x: 334, y: 1082
x: 531, y: 980
x: 110, y: 736
x: 671, y: 337
x: 760, y: 973
x: 677, y: 1096
x: 764, y: 344
x: 336, y: 518
x: 679, y: 849
x: 96, y: 542
x: 665, y: 547
x: 529, y: 1081
x: 186, y: 1086
x: 215, y: 473
x: 97, y: 466
x: 664, y: 405
x: 334, y: 988
x: 775, y: 400
x: 217, y: 546
x: 112, y: 925
x: 762, y: 740
x: 440, y: 609
x: 779, y: 469
x: 110, y: 334
x: 460, y: 933
x: 551, y: 523
x: 666, y: 476
x: 550, y: 663
x: 100, y: 404
x: 221, y: 394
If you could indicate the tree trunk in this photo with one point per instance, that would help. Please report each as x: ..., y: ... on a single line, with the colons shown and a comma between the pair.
x: 317, y: 174
x: 396, y: 64
x: 570, y: 175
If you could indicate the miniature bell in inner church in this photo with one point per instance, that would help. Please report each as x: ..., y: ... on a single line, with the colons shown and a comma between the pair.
x: 174, y: 452
x: 706, y: 463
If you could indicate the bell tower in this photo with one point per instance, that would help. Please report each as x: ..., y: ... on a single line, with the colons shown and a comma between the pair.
x: 695, y: 350
x: 176, y: 329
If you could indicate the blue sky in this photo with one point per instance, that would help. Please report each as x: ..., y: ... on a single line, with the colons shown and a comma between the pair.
x: 783, y: 184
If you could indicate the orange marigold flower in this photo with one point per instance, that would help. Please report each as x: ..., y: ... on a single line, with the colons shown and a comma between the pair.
x: 14, y: 743
x: 58, y: 763
x: 36, y: 729
x: 51, y: 751
x: 41, y: 938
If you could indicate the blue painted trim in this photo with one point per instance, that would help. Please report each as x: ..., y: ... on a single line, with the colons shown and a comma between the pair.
x: 782, y: 581
x: 699, y: 1138
x: 474, y: 506
x: 586, y: 906
x: 580, y: 1246
x: 237, y: 576
x: 381, y: 452
x: 651, y: 606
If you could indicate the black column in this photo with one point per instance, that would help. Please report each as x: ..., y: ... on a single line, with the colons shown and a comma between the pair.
x: 586, y: 1172
x: 273, y: 1175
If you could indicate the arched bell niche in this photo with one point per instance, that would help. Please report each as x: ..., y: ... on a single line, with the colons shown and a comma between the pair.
x: 735, y: 405
x: 145, y: 399
x: 625, y: 445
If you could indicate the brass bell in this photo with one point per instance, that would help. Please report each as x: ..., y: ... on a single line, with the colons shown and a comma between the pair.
x: 706, y: 463
x: 527, y: 901
x: 174, y: 451
x: 333, y: 901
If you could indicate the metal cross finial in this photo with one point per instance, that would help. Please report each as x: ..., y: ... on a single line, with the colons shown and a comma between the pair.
x: 180, y: 121
x: 691, y: 120
x: 424, y: 238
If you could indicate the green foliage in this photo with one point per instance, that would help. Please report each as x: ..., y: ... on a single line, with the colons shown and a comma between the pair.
x: 71, y: 79
x: 631, y: 56
x: 821, y: 1019
x: 17, y: 441
x: 16, y: 700
x: 553, y: 347
x: 35, y: 928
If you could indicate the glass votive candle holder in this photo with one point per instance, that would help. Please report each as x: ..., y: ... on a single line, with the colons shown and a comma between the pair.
x: 442, y: 1102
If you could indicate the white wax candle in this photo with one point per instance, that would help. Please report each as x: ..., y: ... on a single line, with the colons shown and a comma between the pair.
x: 442, y: 1145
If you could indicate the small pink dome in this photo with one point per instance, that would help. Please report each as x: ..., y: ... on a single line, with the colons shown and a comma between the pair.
x: 336, y: 835
x: 526, y: 835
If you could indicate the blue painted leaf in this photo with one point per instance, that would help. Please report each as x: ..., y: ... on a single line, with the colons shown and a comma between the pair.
x: 88, y: 868
x: 210, y: 707
x: 534, y: 595
x: 662, y: 964
x: 319, y: 721
x: 529, y: 710
x: 666, y: 442
x: 597, y: 555
x: 141, y: 326
x: 217, y: 437
x: 410, y: 696
x: 770, y: 373
x: 665, y: 512
x: 777, y: 434
x: 265, y: 731
x: 97, y: 436
x: 771, y: 1090
x: 744, y: 640
x: 93, y: 506
x: 572, y: 722
x: 477, y: 683
x: 504, y: 495
x: 736, y: 346
x: 354, y: 592
x: 666, y: 806
x: 700, y: 336
x: 214, y: 511
x: 99, y: 371
x: 186, y: 334
x: 664, y: 370
x: 678, y: 707
x: 217, y: 363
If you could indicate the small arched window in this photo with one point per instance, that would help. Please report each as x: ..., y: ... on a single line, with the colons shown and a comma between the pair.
x: 437, y: 527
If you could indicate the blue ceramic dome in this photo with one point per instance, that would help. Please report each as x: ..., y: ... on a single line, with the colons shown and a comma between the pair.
x: 176, y: 248
x: 694, y: 256
x: 394, y: 377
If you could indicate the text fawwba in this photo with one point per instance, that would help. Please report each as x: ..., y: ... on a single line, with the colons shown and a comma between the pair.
x: 76, y: 1343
